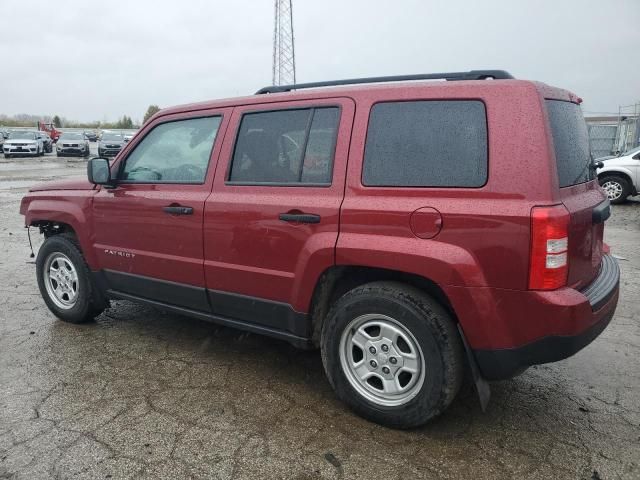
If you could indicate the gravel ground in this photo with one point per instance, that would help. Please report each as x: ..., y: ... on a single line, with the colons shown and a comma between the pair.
x: 145, y: 394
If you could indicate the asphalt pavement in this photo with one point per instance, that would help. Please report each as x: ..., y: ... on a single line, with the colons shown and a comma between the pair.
x: 141, y: 393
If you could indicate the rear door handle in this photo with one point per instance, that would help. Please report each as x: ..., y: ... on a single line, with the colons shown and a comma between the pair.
x: 178, y: 210
x: 299, y: 217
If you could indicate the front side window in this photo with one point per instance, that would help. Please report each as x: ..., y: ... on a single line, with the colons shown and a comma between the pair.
x: 173, y: 152
x: 439, y: 143
x: 286, y: 147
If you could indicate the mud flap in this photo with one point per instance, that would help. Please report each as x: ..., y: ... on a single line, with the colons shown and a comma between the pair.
x: 482, y: 386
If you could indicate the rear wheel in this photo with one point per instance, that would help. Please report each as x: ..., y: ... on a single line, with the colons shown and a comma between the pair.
x: 393, y: 354
x: 616, y: 187
x: 65, y: 281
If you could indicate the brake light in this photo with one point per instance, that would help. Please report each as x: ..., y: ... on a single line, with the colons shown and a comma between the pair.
x: 549, y: 266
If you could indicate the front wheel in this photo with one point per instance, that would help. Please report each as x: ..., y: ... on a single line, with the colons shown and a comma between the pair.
x: 64, y: 280
x: 393, y: 354
x: 616, y: 187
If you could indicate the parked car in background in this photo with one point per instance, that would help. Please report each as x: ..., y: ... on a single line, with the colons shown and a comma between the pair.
x: 23, y: 143
x: 110, y: 144
x: 128, y: 136
x: 91, y: 135
x: 620, y: 176
x: 46, y: 141
x: 382, y: 224
x: 72, y: 144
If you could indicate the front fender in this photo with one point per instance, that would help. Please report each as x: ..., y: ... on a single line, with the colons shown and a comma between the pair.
x: 617, y: 169
x: 72, y: 208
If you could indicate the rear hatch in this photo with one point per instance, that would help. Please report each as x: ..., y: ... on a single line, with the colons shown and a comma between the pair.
x: 579, y: 191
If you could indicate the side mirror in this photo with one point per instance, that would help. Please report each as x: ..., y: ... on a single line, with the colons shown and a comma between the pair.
x: 99, y: 172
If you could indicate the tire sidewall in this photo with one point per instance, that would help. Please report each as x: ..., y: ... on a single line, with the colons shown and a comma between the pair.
x: 430, y: 400
x: 82, y: 308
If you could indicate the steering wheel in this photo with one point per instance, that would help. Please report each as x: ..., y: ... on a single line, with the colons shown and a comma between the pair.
x: 287, y: 146
x: 131, y: 174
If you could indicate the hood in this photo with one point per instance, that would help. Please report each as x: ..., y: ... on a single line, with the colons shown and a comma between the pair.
x: 69, y: 184
x: 20, y: 141
x: 603, y: 159
x: 112, y: 142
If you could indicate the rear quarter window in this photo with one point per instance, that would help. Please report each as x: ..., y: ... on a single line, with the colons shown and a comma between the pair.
x: 434, y: 143
x: 570, y: 142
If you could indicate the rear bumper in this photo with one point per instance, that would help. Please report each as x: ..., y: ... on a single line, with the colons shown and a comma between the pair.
x: 572, y: 320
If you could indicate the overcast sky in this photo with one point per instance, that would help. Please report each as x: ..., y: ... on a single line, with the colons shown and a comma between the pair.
x: 88, y: 60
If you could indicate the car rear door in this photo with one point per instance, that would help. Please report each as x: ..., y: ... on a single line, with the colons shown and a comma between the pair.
x: 272, y: 221
x: 148, y: 229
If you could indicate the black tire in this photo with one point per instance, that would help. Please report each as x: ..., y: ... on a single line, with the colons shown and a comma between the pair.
x: 432, y: 328
x: 7, y: 155
x: 623, y: 185
x: 88, y: 304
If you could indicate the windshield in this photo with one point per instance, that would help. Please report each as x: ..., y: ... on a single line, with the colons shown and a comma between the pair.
x: 111, y: 137
x: 71, y: 136
x: 22, y: 136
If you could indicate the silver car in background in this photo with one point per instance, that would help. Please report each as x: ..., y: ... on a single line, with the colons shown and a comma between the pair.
x: 73, y: 145
x: 23, y: 143
x: 110, y: 144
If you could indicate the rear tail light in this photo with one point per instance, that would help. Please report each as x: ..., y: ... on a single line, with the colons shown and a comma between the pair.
x: 548, y: 267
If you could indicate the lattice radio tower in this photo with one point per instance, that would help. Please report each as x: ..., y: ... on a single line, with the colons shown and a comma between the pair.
x: 284, y: 58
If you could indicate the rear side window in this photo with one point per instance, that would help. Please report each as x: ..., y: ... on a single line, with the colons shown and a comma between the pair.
x: 570, y: 142
x: 426, y: 144
x: 286, y: 147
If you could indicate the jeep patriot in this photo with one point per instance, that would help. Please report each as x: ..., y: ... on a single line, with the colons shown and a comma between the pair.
x: 412, y: 230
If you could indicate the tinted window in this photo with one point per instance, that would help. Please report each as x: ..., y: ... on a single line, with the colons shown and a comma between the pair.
x: 173, y: 152
x: 286, y: 146
x: 426, y: 144
x: 570, y: 142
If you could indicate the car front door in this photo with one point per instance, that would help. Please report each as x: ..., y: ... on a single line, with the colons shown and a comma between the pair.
x: 148, y: 229
x: 272, y: 221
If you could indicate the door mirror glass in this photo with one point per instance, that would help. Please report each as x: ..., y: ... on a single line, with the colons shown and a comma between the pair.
x: 98, y: 171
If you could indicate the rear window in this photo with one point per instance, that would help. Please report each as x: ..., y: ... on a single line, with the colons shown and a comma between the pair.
x: 570, y: 142
x: 426, y: 144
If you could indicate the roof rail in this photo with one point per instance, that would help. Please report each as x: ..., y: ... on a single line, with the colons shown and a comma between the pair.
x: 451, y: 76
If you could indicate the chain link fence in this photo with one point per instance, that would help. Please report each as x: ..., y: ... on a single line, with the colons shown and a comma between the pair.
x: 602, y: 139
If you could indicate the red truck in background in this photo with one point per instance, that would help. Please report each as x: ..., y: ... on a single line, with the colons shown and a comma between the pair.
x: 50, y: 129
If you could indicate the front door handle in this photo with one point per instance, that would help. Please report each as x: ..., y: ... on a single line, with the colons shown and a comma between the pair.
x: 299, y: 217
x: 178, y: 210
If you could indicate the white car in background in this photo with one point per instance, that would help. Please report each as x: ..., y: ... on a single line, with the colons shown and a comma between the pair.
x: 620, y: 176
x: 23, y: 143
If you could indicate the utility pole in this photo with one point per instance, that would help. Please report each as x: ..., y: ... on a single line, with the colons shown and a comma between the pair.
x: 284, y: 58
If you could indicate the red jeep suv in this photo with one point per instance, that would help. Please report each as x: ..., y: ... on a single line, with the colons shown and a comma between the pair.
x: 410, y: 229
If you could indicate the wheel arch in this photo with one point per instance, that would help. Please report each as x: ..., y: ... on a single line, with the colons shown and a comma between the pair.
x: 619, y: 172
x: 55, y: 216
x: 337, y: 280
